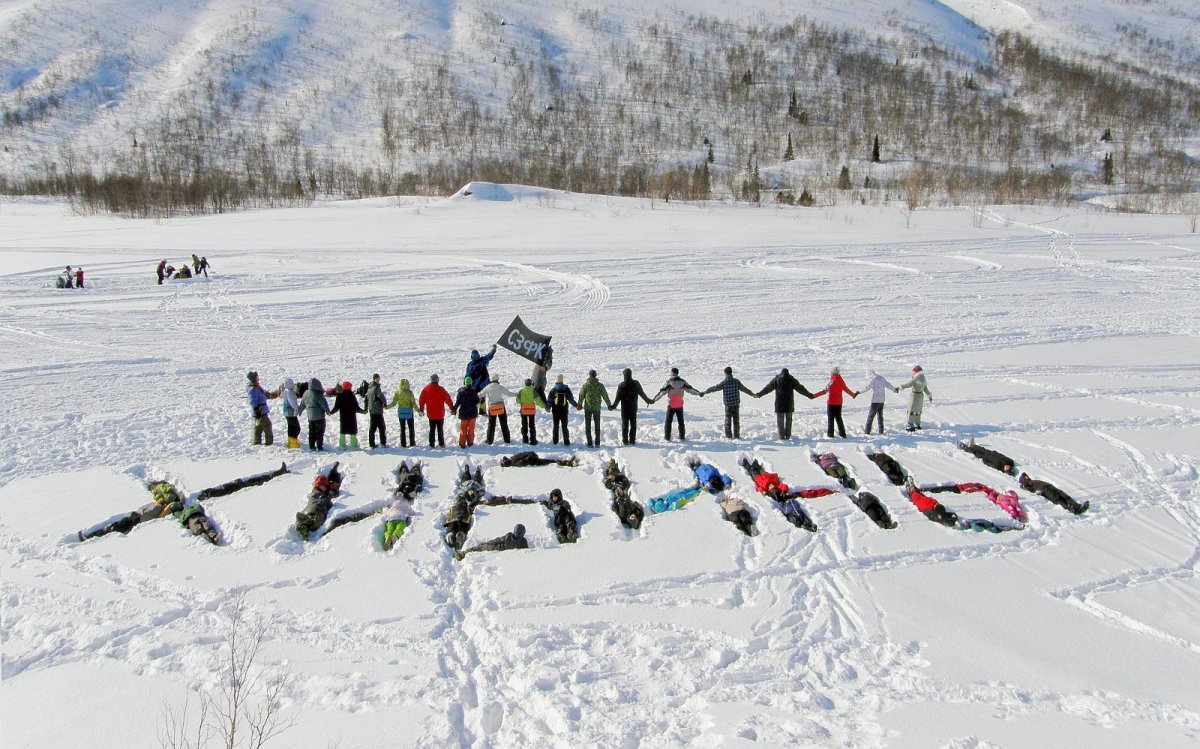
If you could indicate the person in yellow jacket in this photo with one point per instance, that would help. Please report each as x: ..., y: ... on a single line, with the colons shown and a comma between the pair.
x: 405, y: 403
x: 530, y: 402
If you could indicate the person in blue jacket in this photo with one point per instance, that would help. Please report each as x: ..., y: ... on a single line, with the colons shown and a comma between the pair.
x: 259, y: 410
x: 709, y: 476
x: 477, y: 368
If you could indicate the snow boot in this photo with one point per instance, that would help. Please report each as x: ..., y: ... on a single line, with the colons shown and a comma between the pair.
x: 293, y: 443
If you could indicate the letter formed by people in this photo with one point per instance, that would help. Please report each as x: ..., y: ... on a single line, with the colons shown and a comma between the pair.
x: 523, y: 342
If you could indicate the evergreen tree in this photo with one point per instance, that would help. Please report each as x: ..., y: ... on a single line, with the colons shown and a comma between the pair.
x: 789, y: 154
x: 875, y: 151
x: 793, y: 107
x: 1106, y: 169
x: 844, y: 179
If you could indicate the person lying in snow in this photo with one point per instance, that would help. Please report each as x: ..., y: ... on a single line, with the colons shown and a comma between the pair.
x: 396, y: 518
x: 737, y: 513
x: 529, y: 458
x: 874, y: 509
x: 628, y: 511
x: 708, y: 476
x: 459, y: 518
x: 672, y: 500
x: 565, y: 525
x: 770, y: 485
x: 833, y: 468
x: 991, y: 458
x: 230, y: 487
x: 1007, y: 501
x: 326, y: 486
x: 1052, y: 493
x: 410, y: 481
x: 167, y: 501
x: 930, y: 507
x: 889, y: 466
x: 938, y: 513
x: 515, y: 539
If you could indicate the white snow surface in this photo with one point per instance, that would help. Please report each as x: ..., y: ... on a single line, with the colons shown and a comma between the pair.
x: 1067, y: 338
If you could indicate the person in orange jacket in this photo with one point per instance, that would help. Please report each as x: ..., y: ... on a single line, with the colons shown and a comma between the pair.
x: 432, y: 404
x: 835, y: 389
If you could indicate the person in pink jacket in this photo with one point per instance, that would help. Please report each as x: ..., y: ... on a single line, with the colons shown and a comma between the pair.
x: 835, y: 390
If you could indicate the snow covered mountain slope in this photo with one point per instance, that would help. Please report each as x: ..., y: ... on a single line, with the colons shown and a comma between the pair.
x: 95, y: 76
x: 1070, y: 340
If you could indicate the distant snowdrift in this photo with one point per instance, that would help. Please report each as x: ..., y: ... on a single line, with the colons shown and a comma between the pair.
x: 490, y: 191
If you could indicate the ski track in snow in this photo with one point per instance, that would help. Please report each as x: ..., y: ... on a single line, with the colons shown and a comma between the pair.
x: 1038, y: 340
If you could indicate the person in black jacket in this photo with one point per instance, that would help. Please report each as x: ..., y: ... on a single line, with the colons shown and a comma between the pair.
x: 784, y: 386
x: 466, y: 406
x: 626, y: 397
x: 514, y: 539
x: 991, y: 458
x: 345, y: 405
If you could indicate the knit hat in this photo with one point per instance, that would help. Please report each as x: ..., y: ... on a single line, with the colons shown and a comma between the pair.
x: 467, y: 381
x: 916, y: 367
x: 346, y: 385
x: 528, y: 381
x: 836, y: 370
x: 252, y: 376
x: 519, y: 530
x: 433, y: 378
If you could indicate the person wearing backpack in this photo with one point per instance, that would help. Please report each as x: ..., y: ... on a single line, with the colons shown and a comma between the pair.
x: 376, y: 403
x: 561, y: 399
x: 530, y: 402
x: 405, y: 403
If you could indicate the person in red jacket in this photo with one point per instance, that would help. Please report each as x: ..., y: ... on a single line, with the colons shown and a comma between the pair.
x: 835, y: 389
x: 432, y: 404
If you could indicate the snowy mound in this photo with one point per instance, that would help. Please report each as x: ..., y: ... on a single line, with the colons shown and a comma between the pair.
x: 492, y: 192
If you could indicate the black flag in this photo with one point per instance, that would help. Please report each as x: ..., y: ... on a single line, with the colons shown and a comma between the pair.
x: 524, y: 342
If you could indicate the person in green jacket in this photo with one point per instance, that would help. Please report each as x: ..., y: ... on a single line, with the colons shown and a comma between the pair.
x: 529, y: 402
x: 590, y: 395
x: 405, y: 403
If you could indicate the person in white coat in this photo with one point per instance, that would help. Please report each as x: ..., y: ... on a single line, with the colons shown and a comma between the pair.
x: 916, y: 403
x: 497, y: 410
x: 878, y: 385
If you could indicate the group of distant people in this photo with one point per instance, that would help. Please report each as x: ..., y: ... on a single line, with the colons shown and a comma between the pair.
x: 199, y: 265
x: 70, y: 279
x: 482, y: 394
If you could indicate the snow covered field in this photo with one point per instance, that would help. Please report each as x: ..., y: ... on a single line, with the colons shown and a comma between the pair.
x: 1067, y: 338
